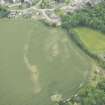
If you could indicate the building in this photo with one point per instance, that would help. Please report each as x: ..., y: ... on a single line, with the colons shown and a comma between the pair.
x: 2, y: 2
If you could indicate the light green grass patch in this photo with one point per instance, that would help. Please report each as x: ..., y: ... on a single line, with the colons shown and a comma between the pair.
x: 92, y: 39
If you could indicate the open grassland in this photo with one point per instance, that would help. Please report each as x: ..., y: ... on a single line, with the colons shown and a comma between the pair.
x: 37, y: 62
x: 92, y: 39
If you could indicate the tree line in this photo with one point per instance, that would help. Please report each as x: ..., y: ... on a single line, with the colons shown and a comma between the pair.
x: 90, y: 16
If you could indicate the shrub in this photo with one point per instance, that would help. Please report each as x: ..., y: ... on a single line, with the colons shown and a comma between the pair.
x: 3, y: 11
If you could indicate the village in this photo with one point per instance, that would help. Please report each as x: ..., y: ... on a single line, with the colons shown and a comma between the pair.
x: 29, y: 9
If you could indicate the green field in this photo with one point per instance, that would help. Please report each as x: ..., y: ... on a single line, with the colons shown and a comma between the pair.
x: 37, y: 62
x: 92, y: 39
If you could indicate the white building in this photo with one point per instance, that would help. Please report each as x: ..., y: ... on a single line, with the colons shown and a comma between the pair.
x: 2, y: 2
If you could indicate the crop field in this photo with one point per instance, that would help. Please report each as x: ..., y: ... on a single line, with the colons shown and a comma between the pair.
x: 37, y: 62
x: 92, y: 39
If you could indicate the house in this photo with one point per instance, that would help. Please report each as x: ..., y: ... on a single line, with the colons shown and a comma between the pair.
x: 12, y: 14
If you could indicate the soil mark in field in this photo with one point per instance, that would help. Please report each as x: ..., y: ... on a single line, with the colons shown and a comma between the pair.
x: 33, y: 71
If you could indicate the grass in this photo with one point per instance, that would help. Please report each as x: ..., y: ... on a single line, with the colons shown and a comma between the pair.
x: 58, y: 65
x: 92, y: 39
